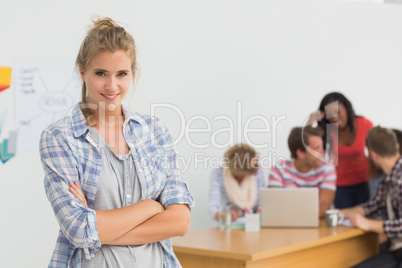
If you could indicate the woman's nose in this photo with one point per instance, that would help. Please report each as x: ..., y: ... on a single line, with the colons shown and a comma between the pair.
x: 334, y: 119
x: 111, y: 83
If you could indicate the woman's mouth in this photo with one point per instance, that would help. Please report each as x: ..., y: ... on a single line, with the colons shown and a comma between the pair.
x: 110, y: 97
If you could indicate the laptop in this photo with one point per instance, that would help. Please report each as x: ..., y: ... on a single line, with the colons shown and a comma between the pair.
x: 289, y: 207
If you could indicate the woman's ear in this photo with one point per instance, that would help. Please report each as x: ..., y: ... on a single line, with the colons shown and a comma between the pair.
x: 82, y: 74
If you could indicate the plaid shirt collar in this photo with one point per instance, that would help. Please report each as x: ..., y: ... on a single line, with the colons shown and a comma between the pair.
x: 395, y: 170
x: 80, y: 126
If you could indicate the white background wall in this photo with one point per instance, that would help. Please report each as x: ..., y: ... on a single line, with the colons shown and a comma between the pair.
x: 277, y: 58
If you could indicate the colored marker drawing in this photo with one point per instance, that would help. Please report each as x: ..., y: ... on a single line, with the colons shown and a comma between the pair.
x: 45, y: 90
x: 8, y: 146
x: 5, y: 78
x: 4, y: 154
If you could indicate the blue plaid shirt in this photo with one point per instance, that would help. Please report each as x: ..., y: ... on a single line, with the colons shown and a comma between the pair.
x: 69, y: 154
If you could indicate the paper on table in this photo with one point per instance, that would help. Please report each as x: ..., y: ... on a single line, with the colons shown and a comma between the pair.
x: 346, y: 222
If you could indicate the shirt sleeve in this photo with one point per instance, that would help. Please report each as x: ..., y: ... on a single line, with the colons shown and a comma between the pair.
x: 215, y: 192
x: 275, y: 178
x: 77, y: 223
x: 393, y: 228
x: 329, y: 180
x: 260, y: 184
x: 376, y: 206
x: 175, y: 190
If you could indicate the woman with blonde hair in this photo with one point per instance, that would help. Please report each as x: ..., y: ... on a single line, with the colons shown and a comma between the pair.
x: 111, y: 175
x: 234, y: 186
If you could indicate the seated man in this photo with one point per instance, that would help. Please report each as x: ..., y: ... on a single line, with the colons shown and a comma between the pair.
x: 387, y: 202
x: 306, y: 168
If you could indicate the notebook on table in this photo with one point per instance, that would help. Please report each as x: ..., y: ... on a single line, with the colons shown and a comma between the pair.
x: 289, y: 207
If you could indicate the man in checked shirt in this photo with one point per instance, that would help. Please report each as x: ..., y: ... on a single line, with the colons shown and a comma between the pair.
x: 387, y: 202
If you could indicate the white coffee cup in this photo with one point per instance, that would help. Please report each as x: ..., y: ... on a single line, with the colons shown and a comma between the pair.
x: 333, y: 218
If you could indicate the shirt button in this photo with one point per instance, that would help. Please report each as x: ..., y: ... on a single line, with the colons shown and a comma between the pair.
x: 92, y: 255
x: 128, y: 196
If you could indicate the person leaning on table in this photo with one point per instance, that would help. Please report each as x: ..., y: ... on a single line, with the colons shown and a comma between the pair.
x: 344, y: 142
x: 387, y: 202
x: 235, y: 186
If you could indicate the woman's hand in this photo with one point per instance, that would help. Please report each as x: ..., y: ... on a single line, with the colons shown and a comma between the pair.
x: 76, y: 190
x: 259, y: 209
x: 236, y: 214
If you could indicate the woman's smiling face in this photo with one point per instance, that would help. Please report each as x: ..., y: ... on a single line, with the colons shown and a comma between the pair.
x: 338, y: 115
x: 107, y: 78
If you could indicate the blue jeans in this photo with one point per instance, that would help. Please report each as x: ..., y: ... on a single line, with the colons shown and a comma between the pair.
x: 350, y: 196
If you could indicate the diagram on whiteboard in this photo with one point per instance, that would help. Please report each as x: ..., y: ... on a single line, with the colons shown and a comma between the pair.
x: 45, y: 90
x: 8, y: 144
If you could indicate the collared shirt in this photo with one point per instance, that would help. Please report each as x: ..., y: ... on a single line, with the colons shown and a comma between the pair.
x: 69, y: 154
x: 389, y: 184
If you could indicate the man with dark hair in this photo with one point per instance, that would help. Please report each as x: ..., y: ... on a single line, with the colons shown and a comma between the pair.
x: 306, y: 168
x: 387, y: 202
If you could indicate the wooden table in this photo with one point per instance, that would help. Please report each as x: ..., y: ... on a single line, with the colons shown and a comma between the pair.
x: 276, y: 247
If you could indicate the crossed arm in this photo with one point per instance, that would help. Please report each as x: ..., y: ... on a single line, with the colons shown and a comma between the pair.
x: 141, y: 223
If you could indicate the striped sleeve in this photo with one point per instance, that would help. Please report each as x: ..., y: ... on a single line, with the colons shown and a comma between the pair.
x: 259, y: 177
x: 217, y: 194
x: 329, y: 180
x: 275, y: 177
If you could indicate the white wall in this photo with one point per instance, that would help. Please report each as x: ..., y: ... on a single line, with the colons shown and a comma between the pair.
x: 278, y: 58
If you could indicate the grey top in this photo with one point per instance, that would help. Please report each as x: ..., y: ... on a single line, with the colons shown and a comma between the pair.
x: 118, y: 187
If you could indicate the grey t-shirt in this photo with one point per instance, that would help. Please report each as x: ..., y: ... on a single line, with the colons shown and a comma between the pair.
x: 118, y: 187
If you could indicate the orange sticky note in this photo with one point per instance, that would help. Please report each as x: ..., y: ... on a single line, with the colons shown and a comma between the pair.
x: 5, y: 78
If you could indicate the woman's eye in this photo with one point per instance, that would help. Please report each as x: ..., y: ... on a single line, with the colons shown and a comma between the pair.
x: 100, y: 73
x: 122, y: 74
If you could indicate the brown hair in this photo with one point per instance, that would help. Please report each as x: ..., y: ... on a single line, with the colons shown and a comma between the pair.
x: 382, y: 141
x: 299, y: 138
x: 240, y: 156
x: 376, y: 171
x: 105, y: 35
